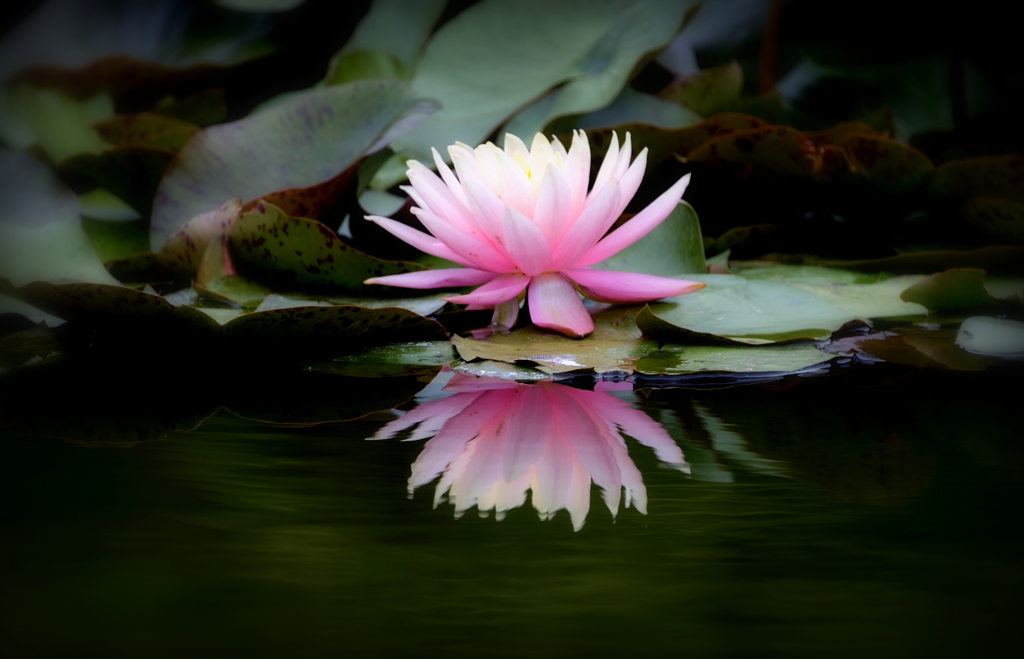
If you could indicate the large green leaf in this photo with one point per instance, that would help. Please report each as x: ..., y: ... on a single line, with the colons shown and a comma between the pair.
x: 732, y: 309
x: 41, y: 237
x: 671, y: 359
x: 674, y: 247
x: 298, y: 252
x: 395, y: 28
x: 498, y: 55
x: 954, y: 288
x: 302, y: 142
x: 632, y: 106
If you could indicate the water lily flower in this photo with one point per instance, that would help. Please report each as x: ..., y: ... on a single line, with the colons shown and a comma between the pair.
x: 494, y: 440
x: 523, y: 219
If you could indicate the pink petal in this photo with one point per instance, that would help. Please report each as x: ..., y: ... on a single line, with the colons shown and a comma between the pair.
x: 525, y: 242
x: 604, y: 174
x: 433, y: 195
x: 442, y: 278
x: 495, y: 291
x: 577, y: 169
x: 637, y: 227
x: 452, y: 183
x: 630, y: 181
x: 554, y: 210
x: 556, y: 305
x: 421, y: 241
x: 588, y: 228
x: 627, y: 287
x: 474, y: 248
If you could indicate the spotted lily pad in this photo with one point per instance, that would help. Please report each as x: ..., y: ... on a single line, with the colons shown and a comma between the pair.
x: 146, y: 129
x: 297, y: 252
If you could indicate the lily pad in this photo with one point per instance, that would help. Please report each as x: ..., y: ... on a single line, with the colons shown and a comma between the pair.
x: 671, y: 359
x: 952, y: 289
x: 1002, y: 218
x: 707, y: 91
x: 674, y: 247
x: 131, y: 173
x: 302, y: 142
x: 397, y: 28
x: 614, y: 345
x: 992, y: 336
x: 1001, y: 177
x: 995, y: 259
x: 769, y: 151
x: 888, y: 166
x: 116, y: 240
x: 297, y: 252
x: 632, y: 106
x: 146, y: 129
x: 186, y: 247
x: 41, y: 237
x: 919, y: 346
x: 734, y: 310
x: 498, y: 55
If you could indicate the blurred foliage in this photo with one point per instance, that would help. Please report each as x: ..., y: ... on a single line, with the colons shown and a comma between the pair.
x: 815, y: 135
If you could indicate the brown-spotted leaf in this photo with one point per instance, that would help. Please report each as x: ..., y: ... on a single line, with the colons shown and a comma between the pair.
x: 663, y: 143
x: 1001, y: 177
x: 184, y: 250
x: 1001, y: 218
x: 325, y: 332
x: 887, y: 166
x: 302, y: 252
x: 768, y: 151
x: 146, y: 129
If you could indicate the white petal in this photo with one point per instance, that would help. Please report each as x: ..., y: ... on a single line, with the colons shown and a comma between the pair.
x: 604, y: 174
x: 588, y: 228
x: 554, y: 211
x: 474, y: 248
x: 421, y: 241
x: 577, y: 169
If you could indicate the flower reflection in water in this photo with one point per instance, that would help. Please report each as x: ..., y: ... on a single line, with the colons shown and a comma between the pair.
x: 495, y: 439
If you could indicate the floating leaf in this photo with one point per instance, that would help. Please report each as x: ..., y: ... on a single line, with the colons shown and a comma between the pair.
x: 919, y: 346
x: 771, y: 151
x: 1001, y: 177
x: 397, y: 28
x: 41, y: 237
x: 613, y: 346
x: 888, y: 166
x: 300, y: 252
x: 305, y: 141
x: 498, y: 55
x: 732, y: 309
x: 632, y: 106
x: 954, y: 288
x: 992, y: 336
x: 1002, y: 218
x: 238, y: 290
x: 60, y: 124
x: 672, y: 359
x: 993, y: 259
x: 674, y: 247
x: 116, y: 240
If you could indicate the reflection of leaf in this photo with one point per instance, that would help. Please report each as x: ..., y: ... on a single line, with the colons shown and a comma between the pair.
x: 916, y: 345
x: 296, y: 144
x: 301, y: 252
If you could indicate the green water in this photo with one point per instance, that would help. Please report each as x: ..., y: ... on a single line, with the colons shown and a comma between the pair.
x: 825, y: 519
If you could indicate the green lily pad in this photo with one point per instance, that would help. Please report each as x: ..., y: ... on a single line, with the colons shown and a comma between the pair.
x: 496, y: 56
x: 674, y: 247
x: 186, y: 247
x: 952, y: 289
x: 888, y: 166
x: 992, y: 336
x: 59, y: 123
x: 116, y: 240
x: 614, y: 345
x: 100, y: 204
x: 297, y: 252
x: 487, y: 368
x: 734, y: 310
x: 671, y: 359
x: 145, y: 129
x: 297, y: 144
x: 131, y: 173
x: 863, y: 296
x: 631, y: 106
x: 396, y: 28
x: 237, y: 290
x: 41, y: 236
x: 1002, y: 218
x: 709, y: 90
x: 421, y: 359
